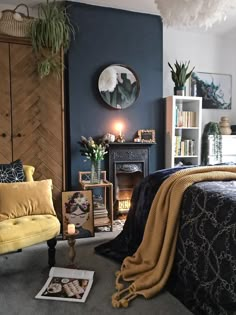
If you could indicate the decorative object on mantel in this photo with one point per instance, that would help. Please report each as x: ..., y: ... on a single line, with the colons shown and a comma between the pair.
x: 214, y: 88
x: 118, y: 86
x: 179, y: 76
x: 95, y: 153
x: 186, y: 13
x: 146, y: 135
x: 52, y: 30
x: 212, y: 128
x: 15, y: 23
x: 108, y: 137
x: 225, y: 128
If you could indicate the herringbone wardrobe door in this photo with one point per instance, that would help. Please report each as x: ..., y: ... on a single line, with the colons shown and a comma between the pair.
x: 5, y: 106
x: 37, y: 118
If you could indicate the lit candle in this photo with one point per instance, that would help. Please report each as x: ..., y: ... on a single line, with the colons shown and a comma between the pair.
x: 71, y: 229
x: 120, y: 128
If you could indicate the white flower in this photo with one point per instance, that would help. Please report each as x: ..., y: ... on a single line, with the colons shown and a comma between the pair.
x: 108, y: 80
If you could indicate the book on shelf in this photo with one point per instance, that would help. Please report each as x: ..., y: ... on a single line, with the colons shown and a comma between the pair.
x: 100, y: 214
x: 98, y: 205
x: 101, y: 221
x: 185, y: 119
x: 64, y: 284
x: 184, y: 147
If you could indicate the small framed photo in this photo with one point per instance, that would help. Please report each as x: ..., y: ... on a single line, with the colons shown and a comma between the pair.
x: 147, y: 135
x: 77, y: 209
x: 214, y: 88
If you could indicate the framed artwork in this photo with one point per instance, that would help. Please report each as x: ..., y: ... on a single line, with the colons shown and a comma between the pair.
x: 215, y: 89
x: 77, y: 209
x: 118, y: 86
x: 147, y: 135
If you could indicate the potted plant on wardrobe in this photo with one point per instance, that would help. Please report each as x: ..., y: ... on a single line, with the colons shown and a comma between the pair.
x: 50, y: 33
x: 180, y: 75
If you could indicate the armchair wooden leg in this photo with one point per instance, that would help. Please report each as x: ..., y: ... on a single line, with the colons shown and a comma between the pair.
x: 51, y: 251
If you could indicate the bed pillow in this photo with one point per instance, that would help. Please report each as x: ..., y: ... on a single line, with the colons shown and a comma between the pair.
x: 12, y: 172
x: 27, y: 198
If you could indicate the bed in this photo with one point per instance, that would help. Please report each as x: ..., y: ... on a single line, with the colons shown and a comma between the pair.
x: 203, y: 276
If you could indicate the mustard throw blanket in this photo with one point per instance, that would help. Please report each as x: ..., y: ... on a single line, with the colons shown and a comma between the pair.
x: 147, y: 271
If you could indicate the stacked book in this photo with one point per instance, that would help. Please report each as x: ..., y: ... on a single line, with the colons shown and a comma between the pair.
x: 100, y: 212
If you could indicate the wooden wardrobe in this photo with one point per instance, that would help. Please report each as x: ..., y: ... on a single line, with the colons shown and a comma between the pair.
x: 31, y: 115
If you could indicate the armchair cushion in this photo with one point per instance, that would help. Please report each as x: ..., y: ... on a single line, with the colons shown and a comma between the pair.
x: 26, y: 231
x: 29, y: 172
x: 26, y: 198
x: 12, y: 172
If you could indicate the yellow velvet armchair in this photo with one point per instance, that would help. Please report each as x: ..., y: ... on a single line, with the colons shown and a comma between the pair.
x: 27, y: 215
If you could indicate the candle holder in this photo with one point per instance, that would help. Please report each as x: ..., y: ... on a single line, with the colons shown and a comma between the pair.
x: 71, y: 239
x: 120, y: 139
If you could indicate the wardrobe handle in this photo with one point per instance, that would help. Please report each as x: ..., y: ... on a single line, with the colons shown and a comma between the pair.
x: 4, y: 135
x: 19, y: 135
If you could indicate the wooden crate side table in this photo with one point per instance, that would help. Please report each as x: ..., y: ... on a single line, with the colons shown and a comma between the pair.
x: 84, y: 184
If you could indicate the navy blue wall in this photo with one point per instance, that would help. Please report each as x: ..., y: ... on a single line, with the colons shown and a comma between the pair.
x: 107, y: 36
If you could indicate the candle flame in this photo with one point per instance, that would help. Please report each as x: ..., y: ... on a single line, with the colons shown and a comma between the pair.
x: 119, y: 127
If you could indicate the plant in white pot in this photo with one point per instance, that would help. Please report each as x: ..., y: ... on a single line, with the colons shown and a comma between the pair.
x: 180, y: 75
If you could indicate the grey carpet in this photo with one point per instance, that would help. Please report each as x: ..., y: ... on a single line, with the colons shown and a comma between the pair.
x: 23, y: 274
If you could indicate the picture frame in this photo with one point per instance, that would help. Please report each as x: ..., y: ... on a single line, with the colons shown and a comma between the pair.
x: 77, y: 208
x: 214, y: 88
x: 147, y: 135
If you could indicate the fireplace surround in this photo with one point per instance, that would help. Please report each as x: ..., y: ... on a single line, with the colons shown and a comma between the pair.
x: 128, y: 165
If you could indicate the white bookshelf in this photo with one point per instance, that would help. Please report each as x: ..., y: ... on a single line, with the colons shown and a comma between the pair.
x: 183, y: 130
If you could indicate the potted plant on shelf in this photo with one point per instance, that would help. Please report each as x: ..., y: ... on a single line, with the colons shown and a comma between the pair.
x: 51, y: 32
x: 180, y: 75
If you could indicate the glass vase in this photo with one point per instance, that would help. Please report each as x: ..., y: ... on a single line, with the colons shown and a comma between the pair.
x: 95, y: 172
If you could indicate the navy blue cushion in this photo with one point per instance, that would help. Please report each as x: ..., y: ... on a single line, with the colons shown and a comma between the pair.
x: 12, y: 172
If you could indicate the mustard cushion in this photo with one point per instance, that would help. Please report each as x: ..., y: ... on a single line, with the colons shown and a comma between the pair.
x: 29, y: 172
x: 26, y: 198
x: 26, y: 231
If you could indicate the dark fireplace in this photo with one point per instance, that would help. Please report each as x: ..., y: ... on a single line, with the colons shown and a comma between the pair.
x: 128, y: 164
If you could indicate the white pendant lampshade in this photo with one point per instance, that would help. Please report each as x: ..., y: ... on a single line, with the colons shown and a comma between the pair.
x: 193, y: 13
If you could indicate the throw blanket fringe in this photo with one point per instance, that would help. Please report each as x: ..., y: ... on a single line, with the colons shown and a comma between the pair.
x: 149, y: 268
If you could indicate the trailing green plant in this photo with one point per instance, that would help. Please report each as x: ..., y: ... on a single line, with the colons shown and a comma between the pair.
x: 212, y: 128
x: 180, y: 74
x: 52, y: 30
x: 48, y: 65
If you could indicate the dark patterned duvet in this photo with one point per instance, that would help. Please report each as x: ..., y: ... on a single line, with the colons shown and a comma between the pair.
x: 204, y: 272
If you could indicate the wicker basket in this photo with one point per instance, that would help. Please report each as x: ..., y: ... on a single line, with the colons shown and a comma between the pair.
x: 14, y: 23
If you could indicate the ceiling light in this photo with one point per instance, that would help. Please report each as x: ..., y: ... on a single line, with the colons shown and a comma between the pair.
x: 192, y: 13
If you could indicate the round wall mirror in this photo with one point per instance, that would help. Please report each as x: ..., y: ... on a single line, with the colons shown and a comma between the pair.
x: 118, y: 86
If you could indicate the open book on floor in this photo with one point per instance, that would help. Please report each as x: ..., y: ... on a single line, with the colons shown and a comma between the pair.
x: 64, y: 284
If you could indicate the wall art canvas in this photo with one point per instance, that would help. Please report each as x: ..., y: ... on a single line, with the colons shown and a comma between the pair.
x: 77, y: 208
x: 215, y: 89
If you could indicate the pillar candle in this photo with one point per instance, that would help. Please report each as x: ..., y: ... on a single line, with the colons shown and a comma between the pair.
x: 71, y: 229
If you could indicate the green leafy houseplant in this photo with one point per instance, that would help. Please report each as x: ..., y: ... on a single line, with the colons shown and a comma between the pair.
x: 51, y: 30
x: 180, y: 74
x: 212, y: 128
